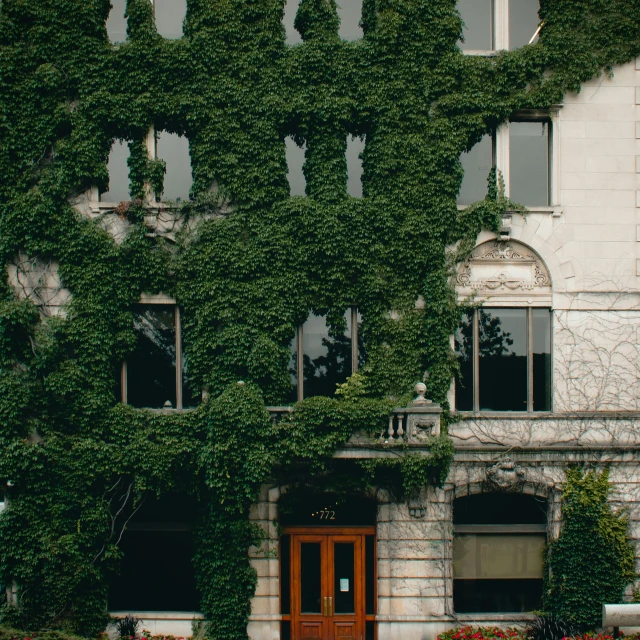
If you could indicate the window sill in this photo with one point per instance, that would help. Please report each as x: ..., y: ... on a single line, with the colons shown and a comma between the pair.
x: 501, y: 617
x: 159, y: 615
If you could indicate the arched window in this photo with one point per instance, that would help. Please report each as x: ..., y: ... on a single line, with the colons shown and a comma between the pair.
x: 498, y: 546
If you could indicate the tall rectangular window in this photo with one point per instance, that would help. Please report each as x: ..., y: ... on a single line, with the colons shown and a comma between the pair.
x: 174, y: 150
x: 477, y: 163
x: 324, y: 357
x: 118, y: 173
x: 355, y: 146
x: 350, y: 13
x: 295, y: 163
x: 477, y: 31
x: 117, y: 23
x: 529, y: 166
x: 154, y: 375
x: 291, y: 34
x: 504, y: 357
x: 523, y: 22
x: 170, y: 15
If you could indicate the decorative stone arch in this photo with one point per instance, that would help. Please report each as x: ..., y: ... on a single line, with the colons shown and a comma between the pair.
x: 505, y: 273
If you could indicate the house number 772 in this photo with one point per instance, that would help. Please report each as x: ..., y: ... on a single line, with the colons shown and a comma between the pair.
x: 327, y: 515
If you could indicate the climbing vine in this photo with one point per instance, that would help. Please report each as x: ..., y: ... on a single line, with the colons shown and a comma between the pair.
x: 246, y: 274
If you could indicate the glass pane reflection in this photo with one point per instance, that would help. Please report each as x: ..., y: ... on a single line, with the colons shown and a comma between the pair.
x: 174, y: 150
x: 523, y: 21
x: 170, y: 15
x: 344, y: 571
x: 503, y: 359
x: 151, y: 369
x: 477, y: 30
x: 355, y: 146
x: 327, y: 356
x: 464, y: 354
x: 118, y: 173
x: 350, y: 12
x: 541, y: 359
x: 117, y: 23
x: 476, y: 163
x: 295, y: 162
x: 529, y: 163
x: 290, y: 10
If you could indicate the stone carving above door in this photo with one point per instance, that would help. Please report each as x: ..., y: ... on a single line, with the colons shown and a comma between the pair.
x: 504, y: 269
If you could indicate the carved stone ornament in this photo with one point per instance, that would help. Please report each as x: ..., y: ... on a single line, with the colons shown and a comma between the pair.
x: 422, y: 427
x: 503, y: 267
x: 505, y: 475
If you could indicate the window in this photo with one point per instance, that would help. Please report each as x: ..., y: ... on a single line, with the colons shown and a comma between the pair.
x: 477, y: 31
x: 118, y: 173
x: 174, y: 150
x: 154, y: 376
x: 490, y: 25
x: 498, y: 547
x: 295, y: 163
x: 170, y: 15
x: 350, y: 12
x: 157, y: 571
x: 355, y: 146
x: 325, y: 357
x: 291, y: 34
x: 523, y: 22
x: 117, y: 23
x: 505, y: 360
x: 529, y: 166
x: 477, y: 163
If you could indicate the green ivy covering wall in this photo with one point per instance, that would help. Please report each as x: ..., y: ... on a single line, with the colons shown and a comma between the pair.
x: 244, y: 279
x: 592, y: 561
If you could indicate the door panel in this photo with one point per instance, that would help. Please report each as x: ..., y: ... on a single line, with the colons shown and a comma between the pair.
x: 327, y: 585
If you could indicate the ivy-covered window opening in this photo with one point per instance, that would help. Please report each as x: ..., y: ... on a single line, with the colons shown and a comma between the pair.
x: 116, y: 22
x: 295, y: 161
x: 154, y: 375
x: 523, y: 22
x: 498, y: 548
x: 325, y: 357
x: 170, y: 16
x: 118, y: 173
x: 477, y: 163
x: 350, y: 13
x: 505, y: 360
x: 292, y: 36
x: 355, y: 147
x: 530, y: 160
x: 173, y: 149
x: 157, y: 571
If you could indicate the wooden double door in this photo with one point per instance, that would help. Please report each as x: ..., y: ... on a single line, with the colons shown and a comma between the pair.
x: 328, y: 584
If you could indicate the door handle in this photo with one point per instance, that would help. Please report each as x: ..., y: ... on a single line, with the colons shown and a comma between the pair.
x: 325, y: 606
x: 330, y: 606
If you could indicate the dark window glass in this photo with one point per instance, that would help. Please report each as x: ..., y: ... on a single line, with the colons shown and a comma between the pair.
x: 541, y: 359
x: 370, y: 577
x: 191, y: 396
x: 496, y: 596
x: 529, y: 163
x: 350, y: 12
x: 285, y: 630
x: 500, y: 508
x: 118, y: 173
x: 478, y: 24
x: 464, y: 353
x: 327, y: 356
x: 285, y: 574
x: 174, y: 150
x: 169, y: 17
x: 477, y: 164
x: 151, y: 369
x: 355, y: 146
x: 310, y: 579
x: 291, y: 35
x: 117, y: 23
x: 503, y: 359
x: 344, y: 572
x: 523, y: 21
x: 157, y: 572
x: 370, y: 633
x: 295, y: 162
